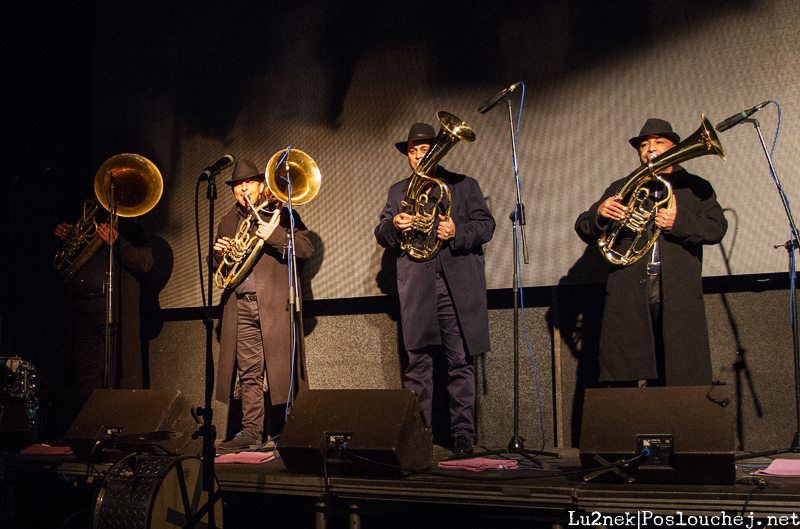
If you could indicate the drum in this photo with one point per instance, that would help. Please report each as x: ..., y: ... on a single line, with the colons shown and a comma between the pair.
x: 147, y: 491
x: 18, y: 379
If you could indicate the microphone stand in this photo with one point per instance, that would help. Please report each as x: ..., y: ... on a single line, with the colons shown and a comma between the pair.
x: 109, y: 369
x: 516, y: 445
x: 207, y: 431
x: 790, y: 247
x: 294, y: 293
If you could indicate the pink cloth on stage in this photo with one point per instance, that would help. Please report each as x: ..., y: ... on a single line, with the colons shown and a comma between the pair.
x: 45, y: 450
x: 781, y: 468
x: 479, y: 464
x: 252, y: 458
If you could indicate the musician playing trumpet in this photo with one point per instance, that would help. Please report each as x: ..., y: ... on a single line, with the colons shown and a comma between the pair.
x: 654, y: 329
x: 256, y: 345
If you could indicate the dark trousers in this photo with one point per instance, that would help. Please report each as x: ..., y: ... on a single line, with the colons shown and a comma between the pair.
x: 89, y: 341
x: 460, y: 373
x: 250, y: 367
x: 657, y: 319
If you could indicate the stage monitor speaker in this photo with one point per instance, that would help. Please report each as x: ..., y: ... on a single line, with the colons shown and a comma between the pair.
x: 115, y: 422
x: 688, y: 432
x: 375, y: 432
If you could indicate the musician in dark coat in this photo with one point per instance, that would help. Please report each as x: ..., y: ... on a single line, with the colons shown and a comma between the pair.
x: 88, y: 309
x: 442, y: 300
x: 256, y: 343
x: 654, y: 322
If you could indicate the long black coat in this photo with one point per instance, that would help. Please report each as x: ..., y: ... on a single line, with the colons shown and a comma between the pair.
x: 462, y: 263
x: 131, y: 262
x: 627, y: 350
x: 272, y: 289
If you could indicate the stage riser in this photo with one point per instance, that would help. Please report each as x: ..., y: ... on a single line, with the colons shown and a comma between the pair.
x: 362, y: 352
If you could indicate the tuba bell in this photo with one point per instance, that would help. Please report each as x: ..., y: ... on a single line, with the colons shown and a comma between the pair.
x: 420, y: 243
x: 624, y: 242
x: 138, y: 187
x: 243, y: 250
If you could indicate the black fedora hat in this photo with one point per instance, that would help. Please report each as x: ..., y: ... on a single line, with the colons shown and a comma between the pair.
x: 243, y: 170
x: 419, y: 131
x: 655, y: 127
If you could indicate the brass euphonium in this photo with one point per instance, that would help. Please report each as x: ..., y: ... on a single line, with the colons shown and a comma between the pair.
x: 138, y: 185
x: 421, y: 243
x: 243, y: 251
x: 621, y: 242
x: 80, y: 244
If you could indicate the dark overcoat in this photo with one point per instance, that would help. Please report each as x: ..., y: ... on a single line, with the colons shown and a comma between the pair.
x: 462, y: 264
x: 131, y: 262
x: 627, y: 350
x: 272, y: 290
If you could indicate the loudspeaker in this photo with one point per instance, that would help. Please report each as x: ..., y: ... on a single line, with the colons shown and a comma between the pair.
x: 374, y: 432
x: 688, y: 432
x: 116, y: 422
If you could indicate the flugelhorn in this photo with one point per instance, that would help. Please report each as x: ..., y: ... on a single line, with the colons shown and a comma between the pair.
x: 243, y: 251
x: 421, y: 243
x: 622, y: 242
x: 137, y: 189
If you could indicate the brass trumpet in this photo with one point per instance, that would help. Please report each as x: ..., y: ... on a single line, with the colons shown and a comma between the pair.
x: 621, y: 242
x: 420, y: 243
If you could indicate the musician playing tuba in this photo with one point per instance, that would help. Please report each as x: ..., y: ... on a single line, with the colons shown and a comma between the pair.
x: 443, y: 299
x: 256, y: 346
x: 654, y: 322
x: 88, y: 305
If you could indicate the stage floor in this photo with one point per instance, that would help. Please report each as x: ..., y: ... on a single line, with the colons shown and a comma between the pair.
x: 523, y: 497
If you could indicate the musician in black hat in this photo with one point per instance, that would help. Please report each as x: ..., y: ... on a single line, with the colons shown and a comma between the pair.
x: 442, y: 300
x: 654, y: 322
x: 257, y: 345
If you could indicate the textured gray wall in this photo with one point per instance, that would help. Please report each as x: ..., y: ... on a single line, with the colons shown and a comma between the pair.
x: 358, y: 351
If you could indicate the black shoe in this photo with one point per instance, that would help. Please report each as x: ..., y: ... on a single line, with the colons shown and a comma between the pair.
x: 240, y: 442
x: 462, y: 445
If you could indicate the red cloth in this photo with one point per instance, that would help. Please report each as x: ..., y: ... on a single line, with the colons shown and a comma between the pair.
x: 46, y: 450
x: 479, y: 464
x: 252, y: 458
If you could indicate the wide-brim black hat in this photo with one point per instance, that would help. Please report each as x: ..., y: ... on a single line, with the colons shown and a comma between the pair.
x: 655, y: 127
x: 244, y: 170
x: 419, y: 131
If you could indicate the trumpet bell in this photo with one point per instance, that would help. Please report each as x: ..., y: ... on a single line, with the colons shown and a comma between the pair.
x: 137, y: 184
x: 303, y: 174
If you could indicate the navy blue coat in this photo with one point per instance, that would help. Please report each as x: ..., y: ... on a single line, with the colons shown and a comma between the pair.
x: 462, y: 264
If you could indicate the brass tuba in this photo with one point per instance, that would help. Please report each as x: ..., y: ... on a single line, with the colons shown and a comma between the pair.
x: 421, y: 243
x: 243, y: 250
x: 137, y: 188
x: 629, y: 231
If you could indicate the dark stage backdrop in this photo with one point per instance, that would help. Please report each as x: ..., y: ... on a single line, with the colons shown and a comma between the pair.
x: 183, y: 83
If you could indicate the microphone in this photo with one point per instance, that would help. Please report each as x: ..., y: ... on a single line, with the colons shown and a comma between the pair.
x: 491, y: 103
x: 738, y: 118
x: 215, y: 168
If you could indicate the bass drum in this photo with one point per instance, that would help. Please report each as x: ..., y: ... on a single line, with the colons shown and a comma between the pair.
x: 146, y: 491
